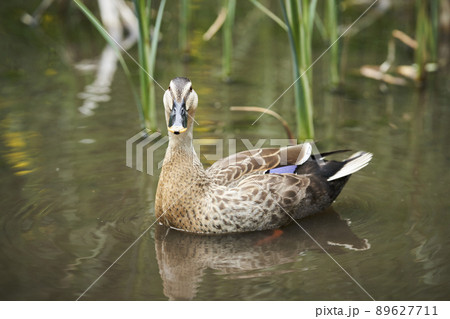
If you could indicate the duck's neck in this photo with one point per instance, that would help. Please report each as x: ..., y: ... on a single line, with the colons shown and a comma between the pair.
x: 181, y: 150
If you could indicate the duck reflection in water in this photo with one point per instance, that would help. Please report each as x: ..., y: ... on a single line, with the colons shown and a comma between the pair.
x: 183, y: 257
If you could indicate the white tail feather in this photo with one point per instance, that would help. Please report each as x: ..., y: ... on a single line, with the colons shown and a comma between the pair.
x: 358, y: 160
x: 304, y: 154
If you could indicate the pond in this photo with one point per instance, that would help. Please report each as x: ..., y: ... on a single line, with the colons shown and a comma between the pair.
x: 71, y: 208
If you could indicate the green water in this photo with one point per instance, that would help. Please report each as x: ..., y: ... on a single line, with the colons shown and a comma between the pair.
x: 70, y: 206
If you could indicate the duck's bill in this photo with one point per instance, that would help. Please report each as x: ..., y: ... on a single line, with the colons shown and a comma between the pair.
x: 178, y: 118
x: 177, y: 129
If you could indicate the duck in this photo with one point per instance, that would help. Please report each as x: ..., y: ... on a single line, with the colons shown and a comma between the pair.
x: 253, y: 190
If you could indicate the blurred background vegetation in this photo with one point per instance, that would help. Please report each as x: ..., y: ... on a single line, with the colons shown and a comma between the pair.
x: 301, y: 20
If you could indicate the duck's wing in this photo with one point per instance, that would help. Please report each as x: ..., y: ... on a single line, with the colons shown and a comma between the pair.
x: 272, y: 199
x: 235, y: 167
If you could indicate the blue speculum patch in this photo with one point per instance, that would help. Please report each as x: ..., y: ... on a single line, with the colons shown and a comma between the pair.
x: 290, y: 169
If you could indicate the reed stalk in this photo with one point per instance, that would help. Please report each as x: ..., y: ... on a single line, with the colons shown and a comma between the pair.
x: 230, y: 5
x: 299, y: 18
x: 434, y: 15
x: 147, y: 57
x: 144, y: 54
x: 426, y: 35
x: 331, y: 14
x: 292, y: 139
x: 183, y: 26
x: 269, y: 13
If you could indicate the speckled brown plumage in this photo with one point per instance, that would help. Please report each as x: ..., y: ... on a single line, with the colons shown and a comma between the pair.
x: 235, y: 194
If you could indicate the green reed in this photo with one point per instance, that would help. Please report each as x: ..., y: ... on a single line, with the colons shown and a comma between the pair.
x: 227, y: 32
x: 427, y: 16
x: 331, y: 19
x: 270, y: 14
x: 299, y: 18
x: 183, y: 26
x: 147, y: 56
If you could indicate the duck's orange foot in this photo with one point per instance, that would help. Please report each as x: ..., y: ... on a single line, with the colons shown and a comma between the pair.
x: 276, y: 233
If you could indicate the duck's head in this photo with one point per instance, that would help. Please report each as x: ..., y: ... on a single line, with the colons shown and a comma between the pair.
x: 180, y: 102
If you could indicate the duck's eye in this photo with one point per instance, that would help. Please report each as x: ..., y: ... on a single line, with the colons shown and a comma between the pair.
x: 190, y: 89
x: 169, y: 88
